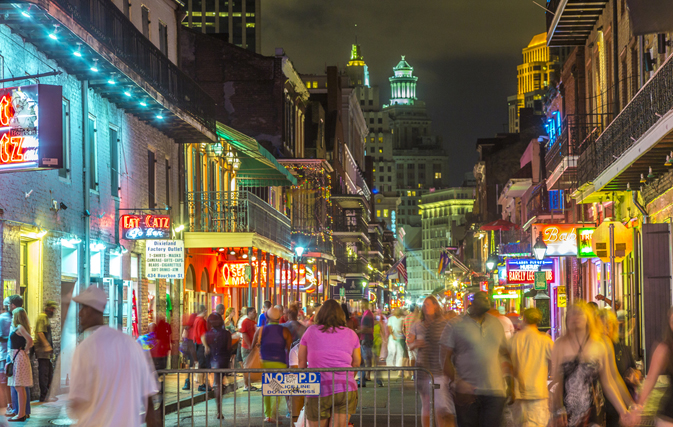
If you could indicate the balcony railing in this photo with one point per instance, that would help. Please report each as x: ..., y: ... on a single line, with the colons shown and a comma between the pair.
x: 350, y: 224
x: 577, y: 132
x: 357, y: 267
x: 545, y: 202
x: 116, y: 32
x: 236, y: 212
x: 653, y: 101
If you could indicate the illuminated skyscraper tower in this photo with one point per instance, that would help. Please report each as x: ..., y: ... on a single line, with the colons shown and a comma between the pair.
x: 403, y: 84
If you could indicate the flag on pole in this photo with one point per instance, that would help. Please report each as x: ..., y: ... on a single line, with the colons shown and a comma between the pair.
x: 402, y: 268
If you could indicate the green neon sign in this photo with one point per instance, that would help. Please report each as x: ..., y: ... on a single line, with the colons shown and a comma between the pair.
x: 584, y: 249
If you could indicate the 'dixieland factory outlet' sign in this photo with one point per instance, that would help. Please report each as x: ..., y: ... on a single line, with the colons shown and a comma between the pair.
x: 31, y: 128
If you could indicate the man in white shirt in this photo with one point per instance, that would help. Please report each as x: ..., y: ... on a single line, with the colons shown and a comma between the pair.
x: 111, y: 382
x: 530, y: 351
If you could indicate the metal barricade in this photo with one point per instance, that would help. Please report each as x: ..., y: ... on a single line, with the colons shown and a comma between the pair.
x: 184, y: 408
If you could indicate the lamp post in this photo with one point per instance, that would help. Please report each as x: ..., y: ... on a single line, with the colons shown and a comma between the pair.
x: 491, y: 262
x: 540, y: 248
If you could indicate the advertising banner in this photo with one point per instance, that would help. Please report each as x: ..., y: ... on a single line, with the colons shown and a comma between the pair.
x: 165, y: 259
x: 561, y: 239
x: 141, y: 227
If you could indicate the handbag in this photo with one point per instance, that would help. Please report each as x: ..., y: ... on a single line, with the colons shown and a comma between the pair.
x: 254, y: 361
x: 9, y: 368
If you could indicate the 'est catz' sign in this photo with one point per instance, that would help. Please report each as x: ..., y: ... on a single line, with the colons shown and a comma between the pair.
x: 140, y: 227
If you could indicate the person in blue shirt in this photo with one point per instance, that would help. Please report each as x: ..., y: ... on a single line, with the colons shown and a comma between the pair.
x: 261, y: 320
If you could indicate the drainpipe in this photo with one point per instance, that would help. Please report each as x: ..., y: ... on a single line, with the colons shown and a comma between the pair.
x: 86, y: 177
x: 646, y: 216
x: 615, y: 58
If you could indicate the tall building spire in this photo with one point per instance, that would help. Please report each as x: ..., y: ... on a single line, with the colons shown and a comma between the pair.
x: 356, y: 67
x: 403, y: 84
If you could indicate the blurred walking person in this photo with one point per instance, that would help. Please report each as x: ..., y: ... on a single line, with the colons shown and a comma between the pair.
x: 476, y: 350
x: 296, y: 329
x: 44, y: 349
x: 187, y: 346
x: 15, y: 301
x: 580, y: 362
x: 275, y: 342
x: 397, y: 341
x: 662, y: 364
x: 217, y: 343
x: 434, y: 323
x: 261, y: 320
x: 622, y: 365
x: 530, y: 351
x: 111, y: 380
x: 351, y: 321
x: 409, y: 321
x: 366, y: 333
x: 198, y: 331
x: 20, y: 342
x: 329, y: 343
x: 247, y: 331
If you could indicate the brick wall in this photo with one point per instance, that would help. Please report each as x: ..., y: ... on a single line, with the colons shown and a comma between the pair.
x: 24, y: 213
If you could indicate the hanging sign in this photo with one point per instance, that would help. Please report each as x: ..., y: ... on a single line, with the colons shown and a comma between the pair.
x: 561, y: 239
x: 584, y: 248
x: 623, y: 241
x: 522, y: 270
x: 31, y: 128
x: 165, y: 259
x: 142, y: 227
x: 540, y: 280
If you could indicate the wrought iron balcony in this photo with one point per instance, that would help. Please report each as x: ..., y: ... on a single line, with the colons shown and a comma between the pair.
x: 652, y: 102
x: 569, y: 22
x: 125, y: 56
x: 545, y: 202
x: 350, y: 224
x: 236, y: 212
x: 576, y: 133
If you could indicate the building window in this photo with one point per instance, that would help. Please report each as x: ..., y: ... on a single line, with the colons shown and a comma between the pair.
x: 151, y: 183
x: 380, y: 150
x: 390, y: 178
x: 410, y: 166
x: 421, y: 166
x: 146, y: 21
x: 127, y: 8
x: 390, y: 169
x: 385, y: 213
x: 163, y: 38
x: 93, y: 155
x: 65, y: 171
x: 114, y: 163
x: 438, y: 175
x: 378, y: 213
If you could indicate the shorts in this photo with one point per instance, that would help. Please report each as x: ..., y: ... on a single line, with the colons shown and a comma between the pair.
x: 531, y: 413
x: 204, y: 363
x: 245, y: 353
x: 413, y: 354
x: 326, y: 409
x: 443, y: 399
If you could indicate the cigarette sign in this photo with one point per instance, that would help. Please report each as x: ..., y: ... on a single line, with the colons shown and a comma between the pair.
x: 522, y: 270
x: 165, y: 259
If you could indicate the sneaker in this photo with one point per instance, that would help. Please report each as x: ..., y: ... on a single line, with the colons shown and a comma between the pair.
x: 288, y: 415
x: 186, y: 386
x: 202, y: 387
x: 364, y: 384
x: 379, y: 383
x: 269, y: 420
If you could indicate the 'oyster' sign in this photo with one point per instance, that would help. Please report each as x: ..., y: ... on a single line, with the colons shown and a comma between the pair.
x: 31, y: 128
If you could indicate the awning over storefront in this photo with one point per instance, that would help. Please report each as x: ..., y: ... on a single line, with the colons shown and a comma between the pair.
x: 258, y: 167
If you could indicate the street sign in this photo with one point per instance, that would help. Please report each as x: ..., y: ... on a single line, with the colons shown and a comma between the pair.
x: 561, y: 296
x: 291, y: 384
x: 540, y: 280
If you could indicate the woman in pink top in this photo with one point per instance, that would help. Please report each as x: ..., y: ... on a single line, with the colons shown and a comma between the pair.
x: 329, y: 343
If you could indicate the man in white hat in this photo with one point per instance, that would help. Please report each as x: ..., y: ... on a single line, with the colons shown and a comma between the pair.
x: 111, y: 380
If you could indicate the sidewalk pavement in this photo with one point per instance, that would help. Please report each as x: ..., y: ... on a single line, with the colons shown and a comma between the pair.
x: 374, y: 406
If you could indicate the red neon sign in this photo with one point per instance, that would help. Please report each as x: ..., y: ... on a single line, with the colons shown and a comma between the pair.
x: 137, y: 227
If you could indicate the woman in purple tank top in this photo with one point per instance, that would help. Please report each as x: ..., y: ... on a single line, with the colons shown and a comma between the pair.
x: 274, y: 346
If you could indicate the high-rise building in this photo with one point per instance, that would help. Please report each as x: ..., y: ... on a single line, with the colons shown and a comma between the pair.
x: 534, y: 76
x: 421, y: 163
x: 239, y: 20
x: 443, y: 214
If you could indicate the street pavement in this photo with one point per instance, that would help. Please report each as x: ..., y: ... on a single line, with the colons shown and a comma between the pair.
x: 373, y: 408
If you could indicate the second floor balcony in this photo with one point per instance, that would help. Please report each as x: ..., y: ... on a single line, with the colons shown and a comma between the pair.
x: 351, y: 226
x: 236, y: 212
x: 543, y: 203
x: 567, y: 140
x: 118, y: 61
x: 569, y: 22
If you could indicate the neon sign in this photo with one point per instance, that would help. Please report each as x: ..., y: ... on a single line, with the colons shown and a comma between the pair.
x: 522, y: 270
x: 31, y: 128
x: 584, y: 249
x: 140, y: 227
x: 561, y: 239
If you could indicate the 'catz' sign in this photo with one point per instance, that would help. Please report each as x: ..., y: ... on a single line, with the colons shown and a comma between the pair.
x: 140, y: 227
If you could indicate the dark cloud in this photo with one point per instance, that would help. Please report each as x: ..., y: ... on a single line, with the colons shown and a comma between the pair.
x: 464, y: 52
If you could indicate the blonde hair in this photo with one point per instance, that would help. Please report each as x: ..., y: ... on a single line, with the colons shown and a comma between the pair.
x: 609, y: 319
x: 583, y: 307
x: 20, y: 317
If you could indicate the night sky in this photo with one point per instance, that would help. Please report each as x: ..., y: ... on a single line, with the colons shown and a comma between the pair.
x: 465, y: 53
